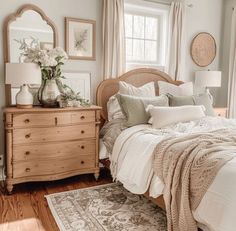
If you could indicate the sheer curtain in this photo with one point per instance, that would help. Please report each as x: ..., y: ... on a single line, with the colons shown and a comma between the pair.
x: 175, y: 51
x: 113, y: 32
x: 232, y: 69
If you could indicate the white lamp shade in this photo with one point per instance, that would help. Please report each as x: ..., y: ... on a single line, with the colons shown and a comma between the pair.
x: 208, y: 78
x: 18, y: 74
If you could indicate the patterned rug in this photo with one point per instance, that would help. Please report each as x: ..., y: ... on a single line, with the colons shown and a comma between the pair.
x: 105, y: 208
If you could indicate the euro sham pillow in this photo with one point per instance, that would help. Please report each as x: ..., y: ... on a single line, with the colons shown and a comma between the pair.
x: 165, y: 116
x: 113, y: 108
x: 200, y: 99
x: 134, y: 108
x: 185, y: 89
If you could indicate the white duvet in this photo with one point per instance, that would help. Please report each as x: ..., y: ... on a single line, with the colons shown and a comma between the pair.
x: 131, y: 164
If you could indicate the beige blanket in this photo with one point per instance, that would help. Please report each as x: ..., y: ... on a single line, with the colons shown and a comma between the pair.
x: 188, y: 165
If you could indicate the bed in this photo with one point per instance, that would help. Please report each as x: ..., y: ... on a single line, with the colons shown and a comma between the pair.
x: 209, y: 214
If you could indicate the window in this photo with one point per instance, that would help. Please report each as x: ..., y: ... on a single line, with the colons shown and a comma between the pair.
x: 146, y: 35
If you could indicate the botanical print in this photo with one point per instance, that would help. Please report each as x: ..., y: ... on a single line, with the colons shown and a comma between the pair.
x: 105, y: 208
x: 80, y: 38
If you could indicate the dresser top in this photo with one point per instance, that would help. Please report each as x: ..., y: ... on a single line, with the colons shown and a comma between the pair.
x: 42, y: 109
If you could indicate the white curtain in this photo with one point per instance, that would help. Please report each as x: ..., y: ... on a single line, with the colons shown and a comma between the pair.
x: 232, y: 69
x: 175, y: 52
x: 113, y: 58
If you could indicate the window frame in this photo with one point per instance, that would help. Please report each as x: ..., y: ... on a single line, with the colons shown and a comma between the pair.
x: 155, y: 10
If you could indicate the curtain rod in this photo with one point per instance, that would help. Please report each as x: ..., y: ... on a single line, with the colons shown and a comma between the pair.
x: 165, y: 3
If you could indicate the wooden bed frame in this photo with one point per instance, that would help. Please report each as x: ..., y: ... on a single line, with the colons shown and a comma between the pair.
x: 137, y: 77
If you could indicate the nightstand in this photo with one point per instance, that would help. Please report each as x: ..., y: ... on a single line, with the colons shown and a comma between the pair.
x: 44, y: 144
x: 221, y: 111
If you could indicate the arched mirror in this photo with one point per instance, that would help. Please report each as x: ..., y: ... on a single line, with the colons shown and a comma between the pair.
x: 28, y: 24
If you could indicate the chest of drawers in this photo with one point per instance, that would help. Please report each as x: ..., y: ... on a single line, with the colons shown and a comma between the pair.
x: 50, y: 144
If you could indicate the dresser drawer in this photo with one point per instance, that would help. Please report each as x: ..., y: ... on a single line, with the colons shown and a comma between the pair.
x: 54, y: 151
x: 40, y: 135
x: 53, y: 119
x: 41, y: 168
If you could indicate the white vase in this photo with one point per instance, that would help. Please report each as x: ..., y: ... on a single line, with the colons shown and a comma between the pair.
x: 24, y: 98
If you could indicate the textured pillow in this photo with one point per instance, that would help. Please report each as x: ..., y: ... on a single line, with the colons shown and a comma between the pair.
x: 205, y: 100
x: 165, y: 116
x: 201, y: 99
x: 113, y: 107
x: 134, y: 107
x: 181, y: 90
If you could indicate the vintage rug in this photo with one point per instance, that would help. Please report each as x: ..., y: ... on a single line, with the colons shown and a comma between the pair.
x: 105, y: 208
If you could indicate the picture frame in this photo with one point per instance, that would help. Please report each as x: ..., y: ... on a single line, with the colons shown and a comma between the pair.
x: 79, y: 82
x: 80, y: 38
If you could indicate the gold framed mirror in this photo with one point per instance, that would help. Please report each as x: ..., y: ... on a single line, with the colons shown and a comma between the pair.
x: 27, y: 23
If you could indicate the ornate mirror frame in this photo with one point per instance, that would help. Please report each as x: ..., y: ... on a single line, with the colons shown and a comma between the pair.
x: 6, y: 39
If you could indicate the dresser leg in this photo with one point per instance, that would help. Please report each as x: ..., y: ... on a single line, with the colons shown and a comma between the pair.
x: 96, y: 176
x: 9, y: 188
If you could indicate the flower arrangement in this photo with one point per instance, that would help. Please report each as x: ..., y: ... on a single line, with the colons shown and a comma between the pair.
x: 50, y: 61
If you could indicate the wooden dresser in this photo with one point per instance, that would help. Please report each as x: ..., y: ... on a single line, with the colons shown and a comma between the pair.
x: 45, y: 144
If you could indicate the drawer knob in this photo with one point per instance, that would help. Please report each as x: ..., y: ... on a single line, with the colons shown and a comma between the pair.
x: 82, y: 162
x: 82, y: 132
x: 27, y: 153
x: 27, y: 136
x: 27, y: 121
x: 82, y: 147
x: 27, y: 169
x: 82, y: 117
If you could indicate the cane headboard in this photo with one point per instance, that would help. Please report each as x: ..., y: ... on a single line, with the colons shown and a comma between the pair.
x: 137, y: 77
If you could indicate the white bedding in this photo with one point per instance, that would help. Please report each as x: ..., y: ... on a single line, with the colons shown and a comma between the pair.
x: 131, y: 164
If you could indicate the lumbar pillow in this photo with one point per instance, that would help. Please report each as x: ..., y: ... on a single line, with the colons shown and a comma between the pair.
x: 201, y: 99
x: 113, y: 107
x: 134, y: 107
x: 165, y: 116
x: 181, y: 90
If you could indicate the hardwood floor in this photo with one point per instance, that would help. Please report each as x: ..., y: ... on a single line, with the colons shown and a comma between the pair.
x: 27, y: 210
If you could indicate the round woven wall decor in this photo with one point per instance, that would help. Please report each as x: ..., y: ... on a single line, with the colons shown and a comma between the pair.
x: 203, y: 49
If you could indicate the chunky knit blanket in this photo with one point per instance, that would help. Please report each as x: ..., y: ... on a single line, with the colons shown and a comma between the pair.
x: 188, y: 165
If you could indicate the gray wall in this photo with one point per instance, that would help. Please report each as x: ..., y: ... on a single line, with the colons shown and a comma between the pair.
x: 56, y: 11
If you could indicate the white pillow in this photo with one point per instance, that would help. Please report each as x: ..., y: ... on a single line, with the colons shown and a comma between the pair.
x: 164, y: 116
x: 113, y: 107
x: 147, y: 90
x: 185, y: 89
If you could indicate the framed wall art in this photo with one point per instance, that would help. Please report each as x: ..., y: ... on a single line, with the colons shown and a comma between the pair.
x: 80, y: 38
x: 78, y: 82
x: 203, y: 49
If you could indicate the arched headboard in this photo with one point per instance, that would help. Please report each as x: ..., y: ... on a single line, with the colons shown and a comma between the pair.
x: 137, y: 77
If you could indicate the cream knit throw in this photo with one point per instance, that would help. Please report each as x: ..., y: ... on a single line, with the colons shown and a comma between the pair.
x: 188, y: 165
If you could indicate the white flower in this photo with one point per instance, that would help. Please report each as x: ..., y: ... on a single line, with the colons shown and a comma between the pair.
x: 58, y: 52
x: 48, y: 61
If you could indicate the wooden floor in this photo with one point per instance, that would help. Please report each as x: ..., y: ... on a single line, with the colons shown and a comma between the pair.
x: 27, y: 210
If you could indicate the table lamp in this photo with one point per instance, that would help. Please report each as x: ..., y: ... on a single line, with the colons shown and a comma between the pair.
x: 21, y: 75
x: 208, y: 79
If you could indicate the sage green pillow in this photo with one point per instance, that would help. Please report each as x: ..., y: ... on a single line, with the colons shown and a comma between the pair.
x: 201, y: 99
x: 175, y: 101
x: 133, y: 107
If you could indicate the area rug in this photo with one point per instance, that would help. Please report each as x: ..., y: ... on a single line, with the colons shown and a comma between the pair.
x: 105, y: 208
